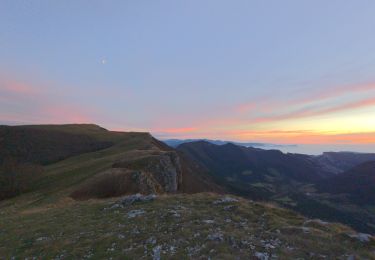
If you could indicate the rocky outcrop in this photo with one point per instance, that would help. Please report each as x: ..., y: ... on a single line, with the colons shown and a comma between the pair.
x: 116, y: 182
x: 163, y: 166
x: 138, y: 171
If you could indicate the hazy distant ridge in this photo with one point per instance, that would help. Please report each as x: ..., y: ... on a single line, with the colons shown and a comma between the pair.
x: 176, y: 142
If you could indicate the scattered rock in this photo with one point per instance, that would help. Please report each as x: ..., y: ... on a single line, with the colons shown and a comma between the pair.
x: 244, y: 243
x: 261, y: 256
x: 174, y: 213
x: 172, y: 250
x: 228, y: 220
x: 317, y: 221
x: 306, y: 230
x: 191, y: 251
x: 225, y: 199
x: 115, y: 206
x: 208, y: 221
x: 112, y: 248
x: 197, y: 235
x: 156, y: 253
x: 135, y: 213
x: 361, y: 237
x: 130, y: 200
x: 89, y: 254
x: 41, y: 239
x: 269, y: 246
x: 218, y: 236
x: 351, y: 257
x: 151, y: 241
x: 135, y: 231
x: 230, y: 207
x: 321, y: 222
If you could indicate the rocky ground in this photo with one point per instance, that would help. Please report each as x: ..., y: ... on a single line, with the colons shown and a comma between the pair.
x: 201, y: 226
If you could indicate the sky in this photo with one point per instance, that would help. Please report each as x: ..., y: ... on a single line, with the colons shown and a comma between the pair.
x: 285, y: 72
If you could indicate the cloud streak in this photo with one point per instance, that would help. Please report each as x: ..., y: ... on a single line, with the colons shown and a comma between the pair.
x: 16, y: 87
x: 30, y: 103
x: 274, y: 103
x: 317, y: 111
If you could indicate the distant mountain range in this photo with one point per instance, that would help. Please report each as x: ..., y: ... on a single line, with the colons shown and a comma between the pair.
x: 176, y: 142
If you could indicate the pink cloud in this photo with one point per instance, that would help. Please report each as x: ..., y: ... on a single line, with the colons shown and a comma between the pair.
x: 16, y: 87
x: 26, y: 102
x: 182, y: 130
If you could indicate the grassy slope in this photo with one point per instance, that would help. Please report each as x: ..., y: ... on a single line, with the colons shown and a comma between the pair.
x: 176, y: 223
x: 63, y: 177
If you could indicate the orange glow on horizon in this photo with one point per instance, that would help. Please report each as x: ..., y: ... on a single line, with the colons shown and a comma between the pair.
x: 181, y: 130
x: 306, y: 137
x: 285, y: 137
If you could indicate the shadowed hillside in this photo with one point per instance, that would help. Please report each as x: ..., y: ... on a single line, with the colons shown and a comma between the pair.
x: 51, y: 143
x: 251, y: 164
x: 339, y: 162
x: 358, y: 184
x: 289, y: 180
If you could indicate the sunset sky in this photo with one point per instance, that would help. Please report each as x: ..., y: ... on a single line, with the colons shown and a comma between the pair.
x: 288, y: 72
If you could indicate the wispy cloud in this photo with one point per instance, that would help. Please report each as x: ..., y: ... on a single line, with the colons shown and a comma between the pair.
x: 178, y: 131
x: 33, y: 103
x: 316, y: 111
x: 302, y: 101
x: 15, y: 87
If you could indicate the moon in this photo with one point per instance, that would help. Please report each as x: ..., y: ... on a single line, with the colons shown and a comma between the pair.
x: 104, y: 61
